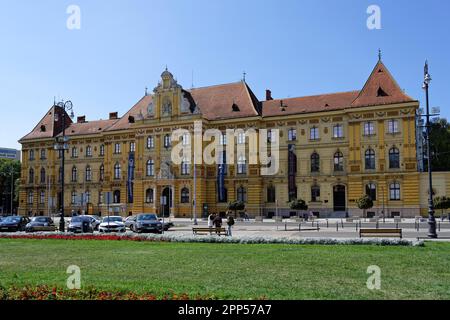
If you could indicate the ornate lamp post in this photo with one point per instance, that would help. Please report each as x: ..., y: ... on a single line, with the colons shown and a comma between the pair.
x: 62, y: 145
x: 431, y: 219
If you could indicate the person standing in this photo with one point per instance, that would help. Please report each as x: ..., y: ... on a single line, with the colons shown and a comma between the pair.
x: 230, y: 223
x: 217, y: 223
x: 210, y: 220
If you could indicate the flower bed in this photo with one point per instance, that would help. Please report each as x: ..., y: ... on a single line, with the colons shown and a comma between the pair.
x: 129, y: 236
x: 43, y: 292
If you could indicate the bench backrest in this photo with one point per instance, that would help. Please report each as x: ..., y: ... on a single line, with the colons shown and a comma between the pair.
x: 380, y: 230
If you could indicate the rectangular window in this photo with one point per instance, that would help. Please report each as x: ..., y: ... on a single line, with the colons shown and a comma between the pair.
x: 132, y: 146
x: 338, y: 131
x: 102, y: 150
x: 292, y: 134
x: 150, y: 142
x: 314, y: 133
x: 393, y: 126
x: 223, y: 139
x: 117, y: 148
x: 43, y: 154
x: 241, y: 138
x: 369, y: 129
x: 42, y: 197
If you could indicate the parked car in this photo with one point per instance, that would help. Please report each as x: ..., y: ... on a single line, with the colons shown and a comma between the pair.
x: 112, y: 224
x: 13, y: 224
x: 40, y: 224
x: 147, y: 223
x: 97, y: 221
x: 76, y: 224
x: 129, y: 221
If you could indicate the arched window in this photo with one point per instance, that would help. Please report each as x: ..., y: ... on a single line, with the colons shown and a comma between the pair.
x: 271, y: 194
x: 242, y: 194
x: 31, y: 176
x: 394, y: 158
x: 116, y: 196
x: 371, y: 191
x: 74, y: 174
x: 117, y: 171
x: 43, y: 178
x: 149, y: 196
x: 338, y: 161
x: 102, y: 172
x: 88, y: 173
x: 150, y: 168
x: 315, y: 193
x: 88, y: 151
x: 185, y: 195
x: 394, y: 191
x: 315, y: 162
x: 185, y: 167
x: 242, y: 165
x: 370, y: 159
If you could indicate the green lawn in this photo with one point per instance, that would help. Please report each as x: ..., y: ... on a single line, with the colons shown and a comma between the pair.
x: 232, y: 270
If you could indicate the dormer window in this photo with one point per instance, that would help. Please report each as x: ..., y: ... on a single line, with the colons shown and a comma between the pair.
x: 43, y: 129
x: 381, y: 93
x: 235, y: 108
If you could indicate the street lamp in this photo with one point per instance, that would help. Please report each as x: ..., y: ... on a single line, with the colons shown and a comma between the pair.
x: 431, y: 219
x: 12, y: 188
x: 62, y: 146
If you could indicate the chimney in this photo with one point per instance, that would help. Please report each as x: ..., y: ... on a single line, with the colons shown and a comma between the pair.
x: 268, y: 95
x: 113, y: 115
x: 81, y: 119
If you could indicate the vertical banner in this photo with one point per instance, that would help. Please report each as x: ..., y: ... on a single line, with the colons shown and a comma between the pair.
x: 221, y: 179
x: 292, y: 172
x: 130, y: 180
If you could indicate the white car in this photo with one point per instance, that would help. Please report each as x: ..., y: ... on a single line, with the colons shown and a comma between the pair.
x: 112, y: 224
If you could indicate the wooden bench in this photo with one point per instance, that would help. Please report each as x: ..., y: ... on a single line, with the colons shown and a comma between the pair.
x: 210, y: 231
x: 380, y: 233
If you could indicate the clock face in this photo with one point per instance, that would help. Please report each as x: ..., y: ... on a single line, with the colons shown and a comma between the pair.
x: 68, y: 105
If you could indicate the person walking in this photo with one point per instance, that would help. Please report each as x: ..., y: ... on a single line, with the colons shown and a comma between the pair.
x: 230, y: 223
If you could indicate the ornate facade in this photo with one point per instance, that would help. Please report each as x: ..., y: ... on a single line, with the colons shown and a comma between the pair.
x: 333, y: 149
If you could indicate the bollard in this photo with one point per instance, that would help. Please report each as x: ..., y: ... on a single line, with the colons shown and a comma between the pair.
x: 285, y: 227
x: 439, y: 226
x: 396, y: 226
x: 337, y: 226
x: 327, y: 223
x: 356, y: 226
x: 377, y: 225
x: 299, y: 227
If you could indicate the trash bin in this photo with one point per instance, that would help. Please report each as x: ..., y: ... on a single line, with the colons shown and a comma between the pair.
x: 86, y: 227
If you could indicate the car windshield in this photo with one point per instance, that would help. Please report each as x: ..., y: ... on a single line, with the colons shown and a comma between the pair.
x: 80, y: 219
x: 11, y: 219
x: 40, y: 219
x: 112, y: 219
x: 147, y: 217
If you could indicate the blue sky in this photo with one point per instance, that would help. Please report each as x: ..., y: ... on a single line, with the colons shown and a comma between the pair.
x: 294, y: 48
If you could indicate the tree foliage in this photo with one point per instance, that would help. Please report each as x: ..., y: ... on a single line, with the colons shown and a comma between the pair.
x: 6, y: 166
x: 235, y: 206
x: 298, y: 204
x: 441, y: 203
x: 440, y: 145
x: 365, y: 202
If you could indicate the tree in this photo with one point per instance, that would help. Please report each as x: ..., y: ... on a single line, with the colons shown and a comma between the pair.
x: 298, y: 204
x: 235, y: 206
x: 441, y: 203
x: 364, y: 203
x: 440, y: 145
x: 6, y: 166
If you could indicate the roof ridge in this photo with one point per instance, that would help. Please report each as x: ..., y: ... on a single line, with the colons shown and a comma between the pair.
x: 215, y: 85
x: 315, y: 95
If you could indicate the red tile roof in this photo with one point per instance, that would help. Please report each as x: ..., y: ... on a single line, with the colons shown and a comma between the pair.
x: 216, y: 102
x: 89, y: 127
x: 319, y: 103
x: 139, y: 108
x: 380, y: 89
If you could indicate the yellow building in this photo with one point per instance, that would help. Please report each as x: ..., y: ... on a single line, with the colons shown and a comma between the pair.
x: 334, y: 148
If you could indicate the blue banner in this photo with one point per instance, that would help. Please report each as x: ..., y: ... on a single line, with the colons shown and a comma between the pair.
x: 130, y: 180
